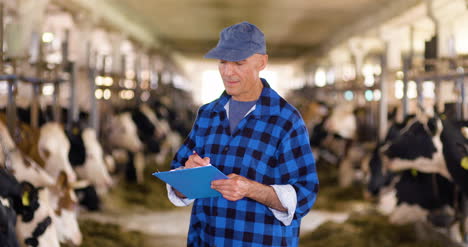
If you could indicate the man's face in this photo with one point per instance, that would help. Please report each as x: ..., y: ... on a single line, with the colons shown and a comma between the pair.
x: 241, y: 79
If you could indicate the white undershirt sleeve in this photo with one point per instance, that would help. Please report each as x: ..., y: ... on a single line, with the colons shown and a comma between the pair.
x: 288, y: 198
x: 177, y: 201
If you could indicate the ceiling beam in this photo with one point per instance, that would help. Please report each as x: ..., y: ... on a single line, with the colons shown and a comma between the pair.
x: 371, y: 22
x: 109, y: 12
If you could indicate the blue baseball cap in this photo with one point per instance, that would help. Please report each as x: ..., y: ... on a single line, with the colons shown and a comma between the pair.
x: 238, y: 42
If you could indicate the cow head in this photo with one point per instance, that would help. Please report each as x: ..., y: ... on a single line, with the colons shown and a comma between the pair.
x: 23, y: 168
x: 53, y: 147
x: 417, y: 147
x: 94, y: 169
x: 123, y: 133
x: 342, y: 121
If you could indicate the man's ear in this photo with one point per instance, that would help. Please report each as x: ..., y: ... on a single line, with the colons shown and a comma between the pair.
x: 262, y: 61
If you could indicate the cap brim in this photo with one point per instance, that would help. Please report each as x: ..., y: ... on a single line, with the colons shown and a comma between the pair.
x: 232, y: 55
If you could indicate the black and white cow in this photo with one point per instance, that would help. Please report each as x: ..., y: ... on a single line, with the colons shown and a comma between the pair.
x: 139, y: 131
x: 343, y: 138
x: 87, y: 158
x: 378, y: 176
x: 432, y: 148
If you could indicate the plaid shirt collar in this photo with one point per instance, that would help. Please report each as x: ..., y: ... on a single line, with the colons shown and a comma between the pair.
x: 268, y: 104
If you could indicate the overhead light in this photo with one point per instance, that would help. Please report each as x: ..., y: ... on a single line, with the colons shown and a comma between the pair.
x: 320, y: 78
x: 412, y: 90
x: 108, y: 81
x: 428, y: 89
x: 47, y: 37
x: 369, y: 95
x: 99, y: 81
x: 107, y: 94
x: 349, y: 95
x: 126, y: 94
x: 48, y: 89
x: 130, y: 84
x: 399, y: 89
x: 98, y: 93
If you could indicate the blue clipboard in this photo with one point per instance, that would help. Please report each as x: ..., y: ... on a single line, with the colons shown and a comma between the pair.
x: 193, y: 182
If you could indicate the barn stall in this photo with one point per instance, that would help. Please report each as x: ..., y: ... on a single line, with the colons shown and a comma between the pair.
x: 96, y: 96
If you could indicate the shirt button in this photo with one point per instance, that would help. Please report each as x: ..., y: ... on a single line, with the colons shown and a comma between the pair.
x: 225, y: 149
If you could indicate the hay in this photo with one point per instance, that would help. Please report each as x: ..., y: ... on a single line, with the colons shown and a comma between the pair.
x: 367, y: 229
x: 108, y: 235
x: 150, y: 195
x: 331, y: 196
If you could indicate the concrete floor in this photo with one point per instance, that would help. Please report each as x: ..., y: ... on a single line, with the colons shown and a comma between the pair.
x: 169, y: 228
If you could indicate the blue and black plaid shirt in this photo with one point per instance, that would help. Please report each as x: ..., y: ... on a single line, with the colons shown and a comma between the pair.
x: 271, y: 146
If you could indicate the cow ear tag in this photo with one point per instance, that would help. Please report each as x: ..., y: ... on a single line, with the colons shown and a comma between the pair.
x: 414, y: 172
x: 75, y: 131
x: 25, y: 198
x: 464, y: 163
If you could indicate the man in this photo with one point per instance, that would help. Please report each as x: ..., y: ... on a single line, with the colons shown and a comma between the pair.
x: 261, y: 142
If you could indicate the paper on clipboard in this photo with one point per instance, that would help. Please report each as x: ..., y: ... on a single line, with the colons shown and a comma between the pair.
x: 193, y: 182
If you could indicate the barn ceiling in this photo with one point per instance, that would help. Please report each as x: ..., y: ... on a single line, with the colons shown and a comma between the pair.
x: 292, y: 27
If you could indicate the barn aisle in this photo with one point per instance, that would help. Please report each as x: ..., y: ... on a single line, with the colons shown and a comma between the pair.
x: 341, y: 217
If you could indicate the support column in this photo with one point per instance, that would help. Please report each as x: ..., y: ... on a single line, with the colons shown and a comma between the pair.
x: 383, y: 103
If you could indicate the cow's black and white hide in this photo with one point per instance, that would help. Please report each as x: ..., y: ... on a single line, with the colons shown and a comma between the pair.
x: 77, y: 153
x: 427, y: 197
x: 7, y: 224
x: 22, y: 167
x: 146, y: 131
x: 455, y: 150
x: 8, y: 195
x: 414, y: 161
x: 378, y: 176
x: 89, y: 198
x: 429, y: 191
x: 344, y: 139
x: 34, y: 226
x: 417, y: 147
x: 86, y: 157
x: 9, y: 187
x: 335, y: 133
x: 141, y: 132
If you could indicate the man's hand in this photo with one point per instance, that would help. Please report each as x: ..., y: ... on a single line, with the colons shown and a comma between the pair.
x: 234, y: 188
x: 237, y: 187
x: 195, y: 160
